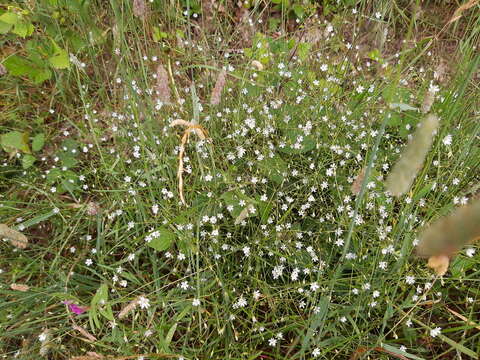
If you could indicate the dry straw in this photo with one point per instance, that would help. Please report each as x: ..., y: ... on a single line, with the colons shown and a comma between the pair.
x: 201, y: 133
x: 411, y: 160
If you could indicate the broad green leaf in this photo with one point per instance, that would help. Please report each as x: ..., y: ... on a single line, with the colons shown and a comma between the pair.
x: 40, y: 75
x: 9, y: 18
x: 17, y: 65
x: 60, y: 60
x: 38, y: 142
x: 23, y: 29
x: 28, y: 161
x: 162, y: 242
x: 4, y: 27
x: 15, y: 140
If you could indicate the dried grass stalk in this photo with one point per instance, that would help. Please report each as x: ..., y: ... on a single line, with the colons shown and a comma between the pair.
x: 128, y: 308
x: 85, y: 333
x: 16, y: 238
x: 428, y: 102
x: 450, y: 233
x: 217, y: 90
x: 357, y: 184
x: 405, y: 170
x: 140, y: 9
x: 458, y: 13
x: 19, y: 287
x: 162, y: 88
x: 201, y: 133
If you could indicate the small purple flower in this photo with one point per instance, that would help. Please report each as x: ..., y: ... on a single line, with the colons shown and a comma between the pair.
x: 75, y: 308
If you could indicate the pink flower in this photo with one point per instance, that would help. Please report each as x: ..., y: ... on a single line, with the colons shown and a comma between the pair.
x: 75, y: 308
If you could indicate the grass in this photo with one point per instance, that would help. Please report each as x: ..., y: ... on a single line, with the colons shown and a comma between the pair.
x: 315, y: 271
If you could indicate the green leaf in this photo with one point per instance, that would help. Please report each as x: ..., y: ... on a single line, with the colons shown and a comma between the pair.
x: 23, y: 29
x: 38, y: 142
x: 17, y: 65
x: 4, y: 27
x: 162, y: 242
x: 28, y: 161
x: 15, y: 140
x: 60, y: 60
x: 9, y: 18
x: 40, y: 75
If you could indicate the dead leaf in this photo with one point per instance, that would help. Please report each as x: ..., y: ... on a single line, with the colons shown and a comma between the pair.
x: 458, y: 13
x: 140, y: 9
x: 3, y: 70
x: 16, y: 238
x: 217, y: 90
x: 93, y: 208
x: 162, y: 88
x: 439, y: 264
x: 244, y: 214
x: 357, y: 184
x: 19, y: 287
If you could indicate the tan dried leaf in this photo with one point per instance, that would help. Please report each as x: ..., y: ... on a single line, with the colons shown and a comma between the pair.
x: 3, y: 70
x: 19, y: 287
x: 162, y: 88
x: 216, y: 96
x: 16, y: 238
x: 140, y: 9
x: 93, y: 208
x: 357, y: 184
x: 439, y: 264
x: 244, y: 214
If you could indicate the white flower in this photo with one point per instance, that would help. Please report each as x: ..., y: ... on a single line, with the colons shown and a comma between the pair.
x: 435, y: 332
x: 410, y: 280
x: 143, y: 302
x: 196, y: 302
x: 42, y: 337
x: 447, y: 140
x: 316, y: 352
x: 272, y: 342
x: 470, y: 252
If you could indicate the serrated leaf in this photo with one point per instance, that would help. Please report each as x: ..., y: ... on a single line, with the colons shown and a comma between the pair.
x: 38, y: 142
x: 15, y: 140
x: 163, y: 241
x: 28, y: 160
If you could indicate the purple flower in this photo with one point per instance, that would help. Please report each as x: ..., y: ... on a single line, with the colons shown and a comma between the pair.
x: 75, y: 308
